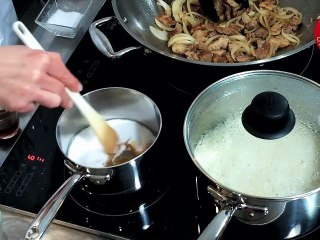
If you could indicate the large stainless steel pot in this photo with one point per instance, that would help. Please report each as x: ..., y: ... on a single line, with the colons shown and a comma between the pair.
x: 290, y: 215
x: 126, y: 110
x: 136, y: 17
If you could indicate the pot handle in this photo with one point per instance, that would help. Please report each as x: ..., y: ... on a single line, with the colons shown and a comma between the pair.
x: 102, y: 42
x: 218, y: 224
x: 47, y: 213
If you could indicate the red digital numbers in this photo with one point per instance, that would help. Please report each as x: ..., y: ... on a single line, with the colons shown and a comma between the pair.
x: 32, y: 157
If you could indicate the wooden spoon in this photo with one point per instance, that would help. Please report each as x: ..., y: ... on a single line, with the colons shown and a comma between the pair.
x: 106, y: 134
x: 214, y: 8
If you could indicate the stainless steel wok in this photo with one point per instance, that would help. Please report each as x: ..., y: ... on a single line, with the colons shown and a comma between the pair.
x: 136, y: 16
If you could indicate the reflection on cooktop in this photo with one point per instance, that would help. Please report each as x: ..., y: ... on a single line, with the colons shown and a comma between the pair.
x: 98, y: 199
x: 117, y: 205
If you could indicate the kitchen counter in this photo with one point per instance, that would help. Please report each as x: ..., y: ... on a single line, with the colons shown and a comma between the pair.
x: 15, y: 225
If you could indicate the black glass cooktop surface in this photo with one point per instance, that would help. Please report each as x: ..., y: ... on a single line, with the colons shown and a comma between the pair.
x: 173, y: 202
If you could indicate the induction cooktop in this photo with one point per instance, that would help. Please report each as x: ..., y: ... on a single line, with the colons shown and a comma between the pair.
x: 173, y: 202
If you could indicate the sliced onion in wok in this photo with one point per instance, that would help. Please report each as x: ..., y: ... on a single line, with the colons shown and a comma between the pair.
x: 165, y: 6
x: 160, y: 34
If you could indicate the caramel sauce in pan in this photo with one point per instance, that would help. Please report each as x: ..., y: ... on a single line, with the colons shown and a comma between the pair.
x: 134, y: 138
x: 125, y: 155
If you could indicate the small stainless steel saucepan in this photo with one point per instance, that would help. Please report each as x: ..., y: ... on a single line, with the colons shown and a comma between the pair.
x: 137, y: 120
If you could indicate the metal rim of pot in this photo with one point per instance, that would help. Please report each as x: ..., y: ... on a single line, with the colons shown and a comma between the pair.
x: 129, y: 15
x: 216, y: 84
x: 228, y: 198
x: 101, y: 175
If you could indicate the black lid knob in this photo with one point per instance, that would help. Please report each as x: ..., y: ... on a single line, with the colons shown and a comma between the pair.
x: 268, y: 116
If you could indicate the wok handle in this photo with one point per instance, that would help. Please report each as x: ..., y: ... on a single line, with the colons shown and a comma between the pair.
x: 47, y: 213
x: 102, y: 42
x: 218, y: 224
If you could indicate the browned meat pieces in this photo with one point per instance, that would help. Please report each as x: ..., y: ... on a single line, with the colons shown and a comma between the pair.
x: 261, y: 33
x: 205, y: 55
x: 166, y: 20
x: 263, y: 50
x: 256, y: 32
x: 232, y: 29
x: 177, y: 30
x: 270, y: 5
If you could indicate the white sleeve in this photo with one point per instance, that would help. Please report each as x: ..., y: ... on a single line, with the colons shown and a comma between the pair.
x: 7, y: 17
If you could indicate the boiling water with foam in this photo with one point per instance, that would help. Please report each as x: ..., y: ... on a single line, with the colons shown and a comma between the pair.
x: 268, y: 168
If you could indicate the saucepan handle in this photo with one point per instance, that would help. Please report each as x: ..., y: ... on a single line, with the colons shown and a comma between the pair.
x: 102, y: 42
x: 47, y: 213
x: 217, y: 226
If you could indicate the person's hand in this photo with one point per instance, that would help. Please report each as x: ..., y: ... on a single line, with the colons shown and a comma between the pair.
x: 29, y: 77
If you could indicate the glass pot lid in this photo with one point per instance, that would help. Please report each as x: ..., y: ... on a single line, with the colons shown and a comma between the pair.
x: 218, y: 141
